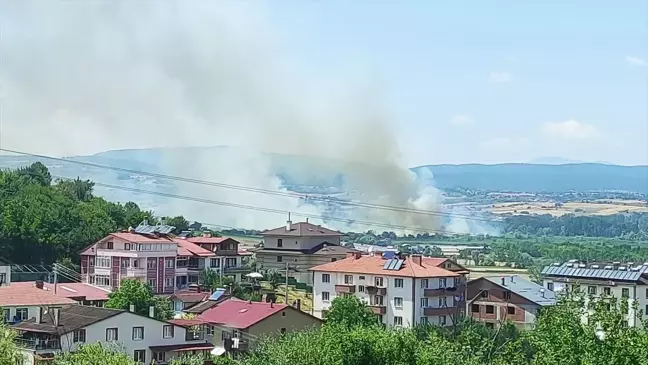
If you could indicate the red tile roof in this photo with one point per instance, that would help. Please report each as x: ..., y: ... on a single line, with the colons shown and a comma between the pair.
x: 186, y: 322
x: 76, y: 290
x: 211, y: 240
x: 242, y: 252
x: 140, y: 238
x: 373, y: 265
x: 301, y: 229
x: 240, y: 314
x: 190, y: 297
x: 186, y: 248
x: 24, y: 294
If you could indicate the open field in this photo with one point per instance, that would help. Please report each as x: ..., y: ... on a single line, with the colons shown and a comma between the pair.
x: 601, y: 207
x: 246, y: 242
x: 481, y: 271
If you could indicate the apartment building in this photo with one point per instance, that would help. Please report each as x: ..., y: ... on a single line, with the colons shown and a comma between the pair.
x: 400, y: 290
x: 299, y: 247
x: 23, y: 301
x: 5, y: 273
x: 225, y: 254
x: 65, y: 328
x: 623, y: 281
x: 497, y: 299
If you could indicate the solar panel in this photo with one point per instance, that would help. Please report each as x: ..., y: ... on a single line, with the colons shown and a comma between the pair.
x: 388, y: 255
x: 386, y: 265
x: 393, y: 264
x: 399, y: 264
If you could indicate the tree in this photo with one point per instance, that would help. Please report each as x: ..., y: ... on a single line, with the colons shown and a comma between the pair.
x: 179, y: 222
x: 96, y: 353
x: 349, y: 312
x: 273, y: 277
x: 134, y: 292
x: 189, y: 360
x: 77, y: 189
x: 433, y: 251
x: 9, y: 353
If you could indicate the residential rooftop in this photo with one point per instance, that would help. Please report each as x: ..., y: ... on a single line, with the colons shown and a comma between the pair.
x: 615, y: 271
x: 416, y: 267
x: 27, y: 294
x: 71, y: 317
x: 75, y: 291
x: 301, y: 229
x: 241, y: 314
x: 524, y: 288
x: 188, y: 248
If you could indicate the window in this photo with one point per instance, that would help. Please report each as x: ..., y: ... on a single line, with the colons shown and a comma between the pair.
x: 136, y: 263
x: 361, y: 277
x: 424, y: 320
x: 424, y: 283
x: 348, y: 279
x: 511, y: 310
x: 214, y: 263
x: 591, y: 290
x: 398, y: 283
x: 168, y: 263
x: 490, y: 309
x: 22, y: 313
x: 279, y: 259
x: 361, y: 288
x: 424, y: 302
x: 3, y: 278
x: 550, y: 286
x: 398, y: 321
x: 138, y: 333
x: 151, y: 264
x: 283, y: 331
x: 167, y: 331
x: 151, y: 283
x: 225, y: 335
x: 457, y: 282
x: 443, y: 302
x: 127, y: 246
x: 102, y: 261
x: 325, y: 296
x: 102, y: 280
x: 168, y: 282
x: 625, y: 293
x: 79, y: 336
x: 125, y: 263
x: 140, y: 355
x: 112, y: 334
x: 607, y: 291
x: 379, y: 281
x: 378, y: 300
x: 160, y: 357
x: 398, y: 302
x: 283, y: 314
x: 484, y: 294
x: 230, y: 262
x: 442, y: 320
x: 474, y: 308
x: 210, y: 330
x: 507, y: 295
x: 333, y: 259
x: 442, y: 283
x: 110, y: 245
x: 279, y: 242
x: 646, y: 310
x: 326, y: 278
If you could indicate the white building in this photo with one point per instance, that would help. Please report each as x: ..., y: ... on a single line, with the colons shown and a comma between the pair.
x: 22, y: 301
x: 5, y: 273
x: 625, y: 282
x: 401, y: 291
x: 65, y: 328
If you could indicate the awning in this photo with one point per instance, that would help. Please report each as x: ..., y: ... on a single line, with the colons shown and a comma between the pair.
x: 183, y: 347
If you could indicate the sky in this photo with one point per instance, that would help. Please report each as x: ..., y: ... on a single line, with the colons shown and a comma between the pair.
x: 460, y: 81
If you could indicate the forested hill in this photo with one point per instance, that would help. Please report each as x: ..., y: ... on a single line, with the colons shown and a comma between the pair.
x: 540, y: 178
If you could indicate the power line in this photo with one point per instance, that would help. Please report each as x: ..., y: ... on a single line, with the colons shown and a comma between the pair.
x: 277, y: 211
x: 258, y: 190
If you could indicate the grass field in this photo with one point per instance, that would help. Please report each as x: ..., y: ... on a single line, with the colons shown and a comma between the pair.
x: 600, y: 207
x: 481, y: 271
x: 293, y: 295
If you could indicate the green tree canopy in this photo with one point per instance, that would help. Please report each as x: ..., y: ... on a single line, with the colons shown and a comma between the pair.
x: 350, y: 312
x: 134, y: 292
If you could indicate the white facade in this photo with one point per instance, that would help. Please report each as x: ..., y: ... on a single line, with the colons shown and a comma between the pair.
x: 636, y: 292
x: 5, y: 275
x: 404, y: 299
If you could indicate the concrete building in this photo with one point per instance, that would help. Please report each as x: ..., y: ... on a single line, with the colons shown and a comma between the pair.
x: 299, y: 247
x: 496, y: 299
x: 623, y: 281
x: 23, y: 301
x: 401, y: 290
x: 65, y: 328
x: 226, y: 255
x: 5, y: 273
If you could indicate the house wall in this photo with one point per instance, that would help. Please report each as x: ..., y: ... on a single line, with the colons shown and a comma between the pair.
x: 291, y: 319
x: 5, y: 275
x: 298, y: 243
x: 125, y: 322
x: 524, y: 310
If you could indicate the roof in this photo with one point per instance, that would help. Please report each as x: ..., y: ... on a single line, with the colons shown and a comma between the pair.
x: 18, y: 294
x: 301, y: 229
x: 190, y: 297
x: 324, y: 248
x: 524, y: 288
x: 374, y: 265
x: 141, y: 238
x: 186, y: 248
x: 630, y: 274
x: 202, y: 307
x: 240, y: 314
x: 211, y: 240
x: 186, y: 322
x: 71, y: 290
x: 71, y: 317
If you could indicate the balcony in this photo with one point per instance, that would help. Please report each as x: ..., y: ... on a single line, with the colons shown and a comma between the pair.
x: 38, y: 344
x: 378, y: 309
x: 444, y: 291
x: 443, y: 311
x: 347, y: 288
x: 374, y: 290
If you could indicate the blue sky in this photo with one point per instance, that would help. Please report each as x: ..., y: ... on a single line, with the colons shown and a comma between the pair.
x: 489, y: 81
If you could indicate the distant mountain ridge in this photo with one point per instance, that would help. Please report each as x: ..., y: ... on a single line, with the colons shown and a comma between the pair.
x: 514, y: 177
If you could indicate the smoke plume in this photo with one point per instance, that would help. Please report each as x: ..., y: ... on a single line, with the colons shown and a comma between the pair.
x: 80, y: 77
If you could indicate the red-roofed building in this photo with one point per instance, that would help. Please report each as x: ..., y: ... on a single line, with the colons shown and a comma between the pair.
x: 400, y: 290
x: 248, y: 321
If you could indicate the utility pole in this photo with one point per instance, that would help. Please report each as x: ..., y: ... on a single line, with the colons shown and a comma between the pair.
x: 55, y: 276
x: 287, y: 267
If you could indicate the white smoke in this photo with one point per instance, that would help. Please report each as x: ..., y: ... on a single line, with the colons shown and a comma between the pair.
x: 86, y: 76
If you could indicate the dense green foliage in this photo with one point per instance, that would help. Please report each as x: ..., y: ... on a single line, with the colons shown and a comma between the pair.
x: 134, y: 292
x: 559, y: 338
x: 9, y: 353
x: 633, y: 226
x: 109, y: 354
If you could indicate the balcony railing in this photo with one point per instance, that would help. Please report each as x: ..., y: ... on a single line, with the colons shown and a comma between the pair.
x: 442, y: 311
x: 345, y: 289
x: 374, y: 290
x: 378, y: 309
x: 38, y: 344
x: 444, y: 291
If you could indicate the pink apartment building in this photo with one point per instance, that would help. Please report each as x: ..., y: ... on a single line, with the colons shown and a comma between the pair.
x: 166, y: 263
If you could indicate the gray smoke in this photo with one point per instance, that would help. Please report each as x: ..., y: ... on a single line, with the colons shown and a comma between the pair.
x: 80, y: 77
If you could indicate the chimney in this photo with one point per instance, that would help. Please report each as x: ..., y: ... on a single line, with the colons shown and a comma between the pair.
x: 152, y: 311
x: 512, y: 278
x: 38, y: 284
x: 417, y: 259
x: 288, y: 226
x: 131, y: 308
x: 57, y: 313
x: 306, y: 219
x: 503, y: 281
